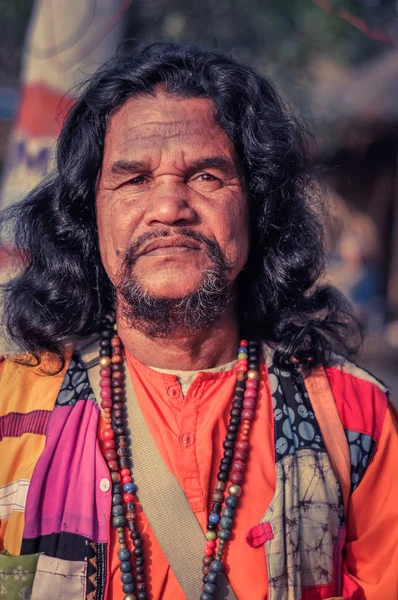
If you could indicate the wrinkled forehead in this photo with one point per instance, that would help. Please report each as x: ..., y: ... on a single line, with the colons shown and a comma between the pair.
x: 162, y: 119
x: 155, y: 131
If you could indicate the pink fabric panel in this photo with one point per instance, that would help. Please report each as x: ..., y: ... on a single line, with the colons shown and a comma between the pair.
x: 65, y: 493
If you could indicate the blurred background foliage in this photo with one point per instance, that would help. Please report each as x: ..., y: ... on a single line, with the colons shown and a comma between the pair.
x: 282, y: 37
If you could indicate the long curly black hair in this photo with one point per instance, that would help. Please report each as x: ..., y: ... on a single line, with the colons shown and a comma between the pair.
x: 63, y: 290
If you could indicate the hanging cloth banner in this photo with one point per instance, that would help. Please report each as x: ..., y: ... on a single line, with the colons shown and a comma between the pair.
x: 67, y: 40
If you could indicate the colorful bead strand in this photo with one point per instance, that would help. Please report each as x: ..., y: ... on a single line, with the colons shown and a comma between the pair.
x: 243, y: 407
x: 115, y: 444
x: 116, y: 453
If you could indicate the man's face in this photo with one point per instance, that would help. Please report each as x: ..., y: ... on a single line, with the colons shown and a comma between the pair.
x: 168, y: 170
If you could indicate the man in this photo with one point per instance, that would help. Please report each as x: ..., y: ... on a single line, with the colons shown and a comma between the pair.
x: 182, y: 201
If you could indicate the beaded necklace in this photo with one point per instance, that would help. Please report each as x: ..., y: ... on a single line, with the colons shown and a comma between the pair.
x: 116, y: 452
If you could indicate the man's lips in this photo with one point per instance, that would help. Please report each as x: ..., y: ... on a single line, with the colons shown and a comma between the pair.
x: 169, y: 246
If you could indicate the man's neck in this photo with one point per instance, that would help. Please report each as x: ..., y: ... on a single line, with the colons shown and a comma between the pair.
x: 183, y: 350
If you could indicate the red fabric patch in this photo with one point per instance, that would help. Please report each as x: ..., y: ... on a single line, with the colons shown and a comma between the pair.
x: 351, y: 590
x: 16, y: 424
x: 317, y: 592
x: 361, y: 404
x: 325, y: 592
x: 259, y: 534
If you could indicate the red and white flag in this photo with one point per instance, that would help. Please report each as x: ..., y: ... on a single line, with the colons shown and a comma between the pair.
x: 67, y: 40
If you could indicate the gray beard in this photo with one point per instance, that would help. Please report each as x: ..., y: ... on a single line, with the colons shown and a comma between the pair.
x: 157, y: 317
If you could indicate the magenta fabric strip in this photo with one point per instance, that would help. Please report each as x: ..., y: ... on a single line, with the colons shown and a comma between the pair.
x: 16, y: 424
x: 65, y: 493
x: 338, y: 561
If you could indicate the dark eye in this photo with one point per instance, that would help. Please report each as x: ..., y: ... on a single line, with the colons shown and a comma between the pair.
x: 205, y: 182
x: 139, y: 180
x: 206, y: 178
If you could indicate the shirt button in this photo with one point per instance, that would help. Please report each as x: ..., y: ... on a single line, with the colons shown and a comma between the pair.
x: 105, y: 485
x: 174, y: 392
x: 187, y: 439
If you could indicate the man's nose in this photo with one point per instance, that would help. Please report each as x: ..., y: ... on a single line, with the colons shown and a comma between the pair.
x: 170, y: 205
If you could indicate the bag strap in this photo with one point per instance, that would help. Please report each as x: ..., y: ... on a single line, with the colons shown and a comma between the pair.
x: 326, y: 413
x: 162, y: 498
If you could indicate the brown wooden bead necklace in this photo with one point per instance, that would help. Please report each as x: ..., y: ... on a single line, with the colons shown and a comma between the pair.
x: 124, y: 490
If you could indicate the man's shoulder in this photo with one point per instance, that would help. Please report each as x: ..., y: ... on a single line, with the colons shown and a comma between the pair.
x: 352, y: 371
x: 360, y: 397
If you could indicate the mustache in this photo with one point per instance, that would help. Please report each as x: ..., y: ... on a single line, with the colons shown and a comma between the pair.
x: 157, y: 317
x: 211, y: 247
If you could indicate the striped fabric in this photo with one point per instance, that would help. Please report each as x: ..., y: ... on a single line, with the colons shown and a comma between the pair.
x: 16, y: 424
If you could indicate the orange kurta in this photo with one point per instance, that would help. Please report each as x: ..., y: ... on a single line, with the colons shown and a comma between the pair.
x: 189, y: 432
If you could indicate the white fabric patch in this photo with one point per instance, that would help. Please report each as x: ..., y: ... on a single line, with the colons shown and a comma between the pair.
x: 13, y: 497
x: 59, y: 579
